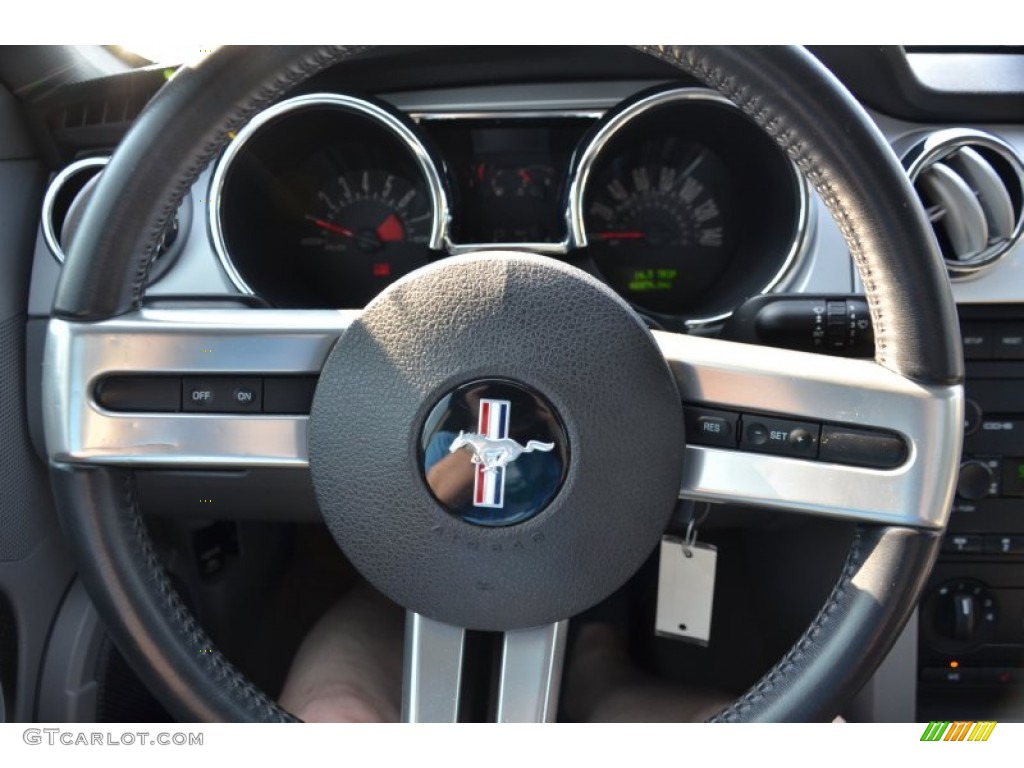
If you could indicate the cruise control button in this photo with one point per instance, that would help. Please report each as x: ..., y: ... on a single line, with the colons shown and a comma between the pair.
x: 862, y: 447
x: 706, y: 426
x: 246, y: 396
x: 756, y: 434
x: 199, y: 395
x: 801, y: 439
x: 222, y: 395
x: 780, y: 436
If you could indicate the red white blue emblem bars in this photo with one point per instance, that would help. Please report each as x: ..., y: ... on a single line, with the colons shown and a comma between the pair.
x: 489, y: 484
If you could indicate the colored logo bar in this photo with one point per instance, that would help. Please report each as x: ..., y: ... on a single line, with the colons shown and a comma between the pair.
x: 958, y: 730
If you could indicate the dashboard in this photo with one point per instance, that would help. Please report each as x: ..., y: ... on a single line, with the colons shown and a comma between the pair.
x: 658, y: 187
x: 673, y: 197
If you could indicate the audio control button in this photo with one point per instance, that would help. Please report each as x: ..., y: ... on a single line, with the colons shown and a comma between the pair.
x: 975, y: 481
x: 977, y: 341
x: 1004, y: 545
x: 1009, y: 342
x: 972, y: 417
x: 962, y: 543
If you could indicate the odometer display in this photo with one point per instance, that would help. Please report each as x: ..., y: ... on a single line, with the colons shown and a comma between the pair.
x: 509, y: 174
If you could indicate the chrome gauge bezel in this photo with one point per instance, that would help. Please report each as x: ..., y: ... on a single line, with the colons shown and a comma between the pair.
x: 440, y: 211
x: 591, y: 152
x: 403, y: 127
x: 555, y: 248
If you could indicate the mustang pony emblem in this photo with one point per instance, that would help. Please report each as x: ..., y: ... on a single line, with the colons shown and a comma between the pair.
x: 493, y: 450
x: 496, y: 454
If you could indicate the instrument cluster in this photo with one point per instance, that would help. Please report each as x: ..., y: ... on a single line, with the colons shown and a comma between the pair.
x: 674, y: 198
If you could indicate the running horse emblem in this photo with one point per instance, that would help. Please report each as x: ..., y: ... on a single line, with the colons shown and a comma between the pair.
x: 493, y: 450
x: 495, y: 453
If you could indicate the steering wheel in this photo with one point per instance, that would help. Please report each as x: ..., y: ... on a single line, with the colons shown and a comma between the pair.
x: 611, y: 391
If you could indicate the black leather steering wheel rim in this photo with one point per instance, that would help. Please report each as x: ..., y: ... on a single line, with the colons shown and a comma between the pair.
x: 788, y: 93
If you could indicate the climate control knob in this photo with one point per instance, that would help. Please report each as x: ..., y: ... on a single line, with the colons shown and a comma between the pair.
x: 974, y: 482
x: 962, y: 615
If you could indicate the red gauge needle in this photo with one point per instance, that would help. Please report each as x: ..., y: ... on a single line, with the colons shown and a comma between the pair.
x: 391, y: 230
x: 331, y: 227
x: 621, y: 235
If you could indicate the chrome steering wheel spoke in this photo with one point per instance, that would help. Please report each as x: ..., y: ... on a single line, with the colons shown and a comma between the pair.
x: 178, y: 343
x: 528, y: 685
x: 740, y: 378
x: 859, y: 394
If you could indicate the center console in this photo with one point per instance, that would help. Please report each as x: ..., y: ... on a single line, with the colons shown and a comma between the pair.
x: 971, y: 622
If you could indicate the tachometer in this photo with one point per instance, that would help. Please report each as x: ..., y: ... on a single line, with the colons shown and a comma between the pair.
x: 323, y: 200
x: 369, y: 228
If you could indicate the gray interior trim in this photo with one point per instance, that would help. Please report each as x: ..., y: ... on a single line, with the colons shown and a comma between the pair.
x: 890, y: 696
x: 21, y: 186
x: 16, y: 141
x: 67, y: 682
x: 432, y: 673
x: 49, y: 570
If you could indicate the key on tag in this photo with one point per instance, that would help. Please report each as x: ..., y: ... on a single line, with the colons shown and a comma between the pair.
x: 686, y: 590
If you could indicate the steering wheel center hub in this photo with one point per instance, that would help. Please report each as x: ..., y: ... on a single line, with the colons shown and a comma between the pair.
x: 568, y: 463
x: 494, y: 452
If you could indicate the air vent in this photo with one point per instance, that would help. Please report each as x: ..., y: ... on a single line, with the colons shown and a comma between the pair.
x: 971, y: 185
x: 65, y: 188
x: 65, y: 201
x: 108, y: 111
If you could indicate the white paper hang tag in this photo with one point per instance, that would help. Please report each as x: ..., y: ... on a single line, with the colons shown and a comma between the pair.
x: 686, y: 590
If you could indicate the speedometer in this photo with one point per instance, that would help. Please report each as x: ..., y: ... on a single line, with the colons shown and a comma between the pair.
x: 685, y: 207
x: 661, y: 222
